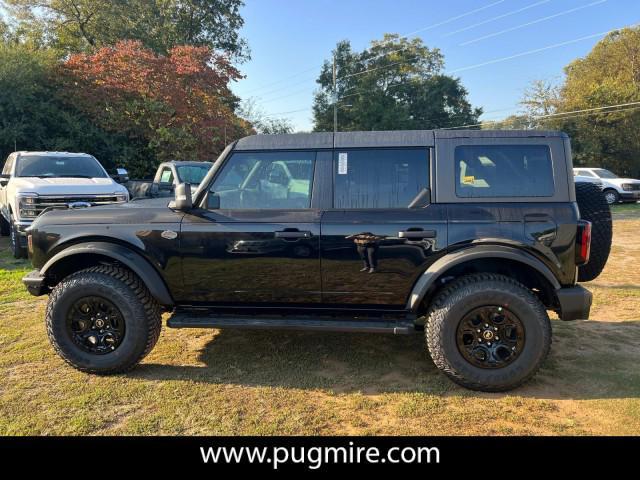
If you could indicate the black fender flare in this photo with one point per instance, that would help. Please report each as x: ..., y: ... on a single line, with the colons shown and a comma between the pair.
x: 440, y: 266
x: 127, y: 257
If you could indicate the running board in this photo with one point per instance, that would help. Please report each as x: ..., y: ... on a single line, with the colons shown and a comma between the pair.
x: 188, y: 320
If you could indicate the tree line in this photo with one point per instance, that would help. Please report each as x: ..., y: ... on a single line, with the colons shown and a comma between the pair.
x: 137, y: 82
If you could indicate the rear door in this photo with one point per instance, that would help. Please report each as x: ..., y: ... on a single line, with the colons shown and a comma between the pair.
x: 261, y: 246
x: 382, y: 231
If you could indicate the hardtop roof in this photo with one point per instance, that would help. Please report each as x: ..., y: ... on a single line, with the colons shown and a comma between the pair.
x: 396, y: 138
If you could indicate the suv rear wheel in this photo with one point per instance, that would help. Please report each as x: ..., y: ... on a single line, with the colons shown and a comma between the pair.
x: 488, y: 332
x: 102, y: 320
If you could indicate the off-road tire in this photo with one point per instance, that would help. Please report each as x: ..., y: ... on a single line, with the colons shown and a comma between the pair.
x: 594, y: 208
x: 5, y: 228
x: 17, y: 249
x: 137, y: 306
x: 454, y: 301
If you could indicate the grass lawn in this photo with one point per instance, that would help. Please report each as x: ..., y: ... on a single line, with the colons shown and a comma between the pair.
x: 254, y: 382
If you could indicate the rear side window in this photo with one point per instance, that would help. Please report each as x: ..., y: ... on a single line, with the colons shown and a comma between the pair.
x: 166, y: 176
x: 379, y: 178
x: 503, y: 171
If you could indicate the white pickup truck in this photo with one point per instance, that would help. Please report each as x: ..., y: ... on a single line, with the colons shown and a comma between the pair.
x: 34, y: 181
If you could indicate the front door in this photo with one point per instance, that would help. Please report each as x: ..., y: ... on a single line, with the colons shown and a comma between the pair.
x: 382, y: 232
x: 261, y: 246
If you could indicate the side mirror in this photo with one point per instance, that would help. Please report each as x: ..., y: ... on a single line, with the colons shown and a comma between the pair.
x: 121, y: 176
x: 213, y: 201
x: 183, y: 201
x: 4, y: 179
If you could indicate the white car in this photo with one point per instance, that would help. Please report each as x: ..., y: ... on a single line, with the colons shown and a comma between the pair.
x: 615, y: 189
x: 34, y: 181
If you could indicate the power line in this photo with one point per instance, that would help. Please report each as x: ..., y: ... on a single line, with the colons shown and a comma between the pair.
x: 620, y: 107
x: 444, y: 22
x: 504, y: 15
x: 533, y: 22
x: 537, y: 50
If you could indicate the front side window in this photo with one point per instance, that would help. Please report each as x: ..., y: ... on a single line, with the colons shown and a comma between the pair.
x: 192, y: 174
x: 379, y: 178
x: 602, y: 173
x: 584, y: 173
x: 58, y: 166
x: 503, y: 171
x: 266, y: 180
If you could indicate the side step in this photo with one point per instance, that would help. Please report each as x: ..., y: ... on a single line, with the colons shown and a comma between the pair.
x: 183, y: 319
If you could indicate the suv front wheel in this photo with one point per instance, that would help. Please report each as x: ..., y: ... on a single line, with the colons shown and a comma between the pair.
x: 488, y: 332
x: 102, y: 320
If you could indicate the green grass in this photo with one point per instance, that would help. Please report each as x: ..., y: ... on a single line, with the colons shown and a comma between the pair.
x: 626, y: 209
x: 265, y: 383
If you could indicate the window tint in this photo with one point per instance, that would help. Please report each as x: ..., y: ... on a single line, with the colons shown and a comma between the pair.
x: 272, y: 180
x: 166, y: 176
x: 503, y: 171
x: 59, y: 166
x: 379, y: 178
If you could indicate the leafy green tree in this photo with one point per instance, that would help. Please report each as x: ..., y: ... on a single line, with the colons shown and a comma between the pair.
x: 395, y: 84
x: 32, y: 115
x: 81, y: 25
x: 608, y: 75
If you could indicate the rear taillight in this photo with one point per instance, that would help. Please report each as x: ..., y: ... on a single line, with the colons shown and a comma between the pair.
x: 583, y: 242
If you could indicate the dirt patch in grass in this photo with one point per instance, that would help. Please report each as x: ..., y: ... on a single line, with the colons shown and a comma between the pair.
x: 258, y: 382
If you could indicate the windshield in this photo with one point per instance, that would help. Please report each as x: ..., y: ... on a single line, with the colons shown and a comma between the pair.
x: 58, y: 166
x: 193, y: 174
x: 602, y: 173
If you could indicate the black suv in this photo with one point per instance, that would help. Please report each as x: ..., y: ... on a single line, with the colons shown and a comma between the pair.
x: 469, y: 236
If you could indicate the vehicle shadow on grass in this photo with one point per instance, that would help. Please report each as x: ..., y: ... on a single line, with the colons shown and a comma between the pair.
x: 588, y: 360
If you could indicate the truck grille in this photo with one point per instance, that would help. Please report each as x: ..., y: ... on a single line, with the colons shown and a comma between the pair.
x: 635, y: 187
x: 44, y: 202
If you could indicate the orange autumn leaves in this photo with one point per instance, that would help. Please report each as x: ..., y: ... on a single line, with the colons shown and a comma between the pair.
x: 180, y: 104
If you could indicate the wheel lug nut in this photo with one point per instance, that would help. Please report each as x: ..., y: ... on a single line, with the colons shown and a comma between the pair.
x: 478, y: 330
x: 486, y: 325
x: 497, y: 338
x: 489, y: 343
x: 495, y: 328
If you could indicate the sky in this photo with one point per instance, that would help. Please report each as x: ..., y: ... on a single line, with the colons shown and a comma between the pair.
x: 496, y: 47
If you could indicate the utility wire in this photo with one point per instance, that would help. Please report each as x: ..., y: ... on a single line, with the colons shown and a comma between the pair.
x: 493, y: 19
x: 619, y: 107
x: 435, y: 25
x: 533, y: 22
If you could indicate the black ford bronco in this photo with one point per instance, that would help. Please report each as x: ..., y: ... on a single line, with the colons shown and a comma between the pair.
x: 468, y: 236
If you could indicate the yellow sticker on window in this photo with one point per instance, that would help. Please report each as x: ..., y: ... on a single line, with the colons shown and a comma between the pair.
x: 469, y: 179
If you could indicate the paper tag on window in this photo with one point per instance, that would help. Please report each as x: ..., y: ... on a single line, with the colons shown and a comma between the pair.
x: 342, y: 163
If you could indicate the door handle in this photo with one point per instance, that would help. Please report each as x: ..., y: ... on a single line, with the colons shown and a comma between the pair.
x: 415, y: 233
x: 293, y: 234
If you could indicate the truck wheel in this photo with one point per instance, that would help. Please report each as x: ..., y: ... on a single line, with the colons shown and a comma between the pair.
x: 611, y: 196
x: 488, y: 332
x: 17, y: 249
x: 5, y: 228
x: 102, y: 320
x: 594, y: 208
